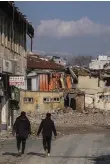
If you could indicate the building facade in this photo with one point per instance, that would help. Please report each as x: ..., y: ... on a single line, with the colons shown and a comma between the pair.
x: 45, y: 85
x: 99, y: 63
x: 13, y: 30
x: 37, y: 101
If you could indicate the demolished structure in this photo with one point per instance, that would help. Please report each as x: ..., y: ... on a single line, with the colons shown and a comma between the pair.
x: 45, y: 86
x: 95, y: 84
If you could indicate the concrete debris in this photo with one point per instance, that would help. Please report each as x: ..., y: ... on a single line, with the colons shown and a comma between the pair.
x: 5, y: 135
x: 73, y: 118
x: 68, y: 118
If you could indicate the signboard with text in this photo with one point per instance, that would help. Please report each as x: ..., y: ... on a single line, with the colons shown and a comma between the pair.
x: 16, y: 81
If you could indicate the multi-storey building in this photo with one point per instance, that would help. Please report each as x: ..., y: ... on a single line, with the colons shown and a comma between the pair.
x: 14, y: 27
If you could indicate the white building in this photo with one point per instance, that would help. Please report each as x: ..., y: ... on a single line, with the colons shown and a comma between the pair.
x: 59, y: 60
x: 99, y: 63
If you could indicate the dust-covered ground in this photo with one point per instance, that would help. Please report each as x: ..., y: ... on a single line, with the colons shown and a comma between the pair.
x: 78, y: 135
x: 70, y: 123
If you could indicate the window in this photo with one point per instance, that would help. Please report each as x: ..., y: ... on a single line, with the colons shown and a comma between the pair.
x: 101, y: 96
x: 2, y: 31
x: 15, y: 40
x: 9, y: 34
x: 7, y: 64
x: 46, y: 99
x: 0, y: 28
x: 105, y: 98
x: 6, y: 34
x: 21, y: 43
x: 107, y: 83
x: 28, y: 100
x: 56, y: 99
x: 29, y: 84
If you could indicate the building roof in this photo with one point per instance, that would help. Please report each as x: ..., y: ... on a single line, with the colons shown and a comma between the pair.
x: 14, y: 12
x: 37, y: 63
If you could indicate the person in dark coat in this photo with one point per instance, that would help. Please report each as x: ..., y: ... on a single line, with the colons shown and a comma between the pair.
x: 47, y: 127
x: 22, y: 128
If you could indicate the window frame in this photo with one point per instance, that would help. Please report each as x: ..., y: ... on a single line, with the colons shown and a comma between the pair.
x: 45, y: 101
x: 26, y: 100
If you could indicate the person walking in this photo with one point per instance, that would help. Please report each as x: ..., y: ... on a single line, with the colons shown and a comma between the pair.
x: 47, y: 127
x: 22, y: 128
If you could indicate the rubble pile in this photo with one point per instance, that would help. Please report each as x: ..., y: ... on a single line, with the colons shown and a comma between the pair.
x: 68, y: 117
x: 5, y: 135
x: 65, y: 119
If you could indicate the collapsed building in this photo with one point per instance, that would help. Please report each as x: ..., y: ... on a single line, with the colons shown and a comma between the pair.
x: 45, y: 86
x: 95, y: 84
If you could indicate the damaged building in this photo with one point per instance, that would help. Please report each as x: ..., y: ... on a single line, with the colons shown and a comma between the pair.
x: 45, y: 85
x: 95, y: 84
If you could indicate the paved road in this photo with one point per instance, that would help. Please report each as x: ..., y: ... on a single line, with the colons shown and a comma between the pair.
x: 8, y: 151
x: 71, y: 149
x: 76, y: 149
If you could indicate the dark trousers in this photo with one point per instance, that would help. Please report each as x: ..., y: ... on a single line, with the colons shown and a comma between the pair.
x: 19, y: 141
x: 47, y: 143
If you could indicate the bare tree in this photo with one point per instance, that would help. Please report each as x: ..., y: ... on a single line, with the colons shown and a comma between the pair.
x: 82, y: 61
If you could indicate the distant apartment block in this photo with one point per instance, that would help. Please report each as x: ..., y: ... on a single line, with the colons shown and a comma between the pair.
x: 99, y: 63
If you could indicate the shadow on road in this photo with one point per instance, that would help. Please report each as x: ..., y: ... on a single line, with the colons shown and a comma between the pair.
x: 10, y: 154
x: 104, y: 159
x: 36, y: 154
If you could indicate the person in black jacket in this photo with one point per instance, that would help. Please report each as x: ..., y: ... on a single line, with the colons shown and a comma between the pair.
x: 47, y: 127
x: 22, y: 128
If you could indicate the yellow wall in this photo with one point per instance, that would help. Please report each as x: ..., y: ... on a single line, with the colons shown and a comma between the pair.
x: 38, y: 104
x: 90, y: 85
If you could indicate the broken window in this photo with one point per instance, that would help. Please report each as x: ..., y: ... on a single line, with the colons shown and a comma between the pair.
x: 46, y: 99
x: 105, y: 98
x: 107, y: 83
x: 101, y: 96
x: 56, y: 99
x: 28, y: 99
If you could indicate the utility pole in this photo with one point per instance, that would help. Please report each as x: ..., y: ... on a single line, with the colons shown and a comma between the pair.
x: 99, y: 78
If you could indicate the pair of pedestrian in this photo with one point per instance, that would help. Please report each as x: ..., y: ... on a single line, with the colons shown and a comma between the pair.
x: 22, y: 130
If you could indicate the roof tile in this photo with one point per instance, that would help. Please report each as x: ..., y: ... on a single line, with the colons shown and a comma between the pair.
x: 37, y: 63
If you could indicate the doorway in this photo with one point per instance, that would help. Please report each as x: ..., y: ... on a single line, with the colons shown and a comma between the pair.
x: 70, y: 101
